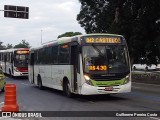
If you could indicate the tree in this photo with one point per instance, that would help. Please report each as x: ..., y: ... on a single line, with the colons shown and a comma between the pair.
x: 2, y: 47
x: 69, y: 34
x: 23, y: 44
x: 9, y: 46
x: 137, y: 20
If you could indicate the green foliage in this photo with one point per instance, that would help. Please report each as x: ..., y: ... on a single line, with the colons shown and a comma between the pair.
x: 23, y: 44
x: 2, y: 47
x: 137, y: 20
x: 69, y: 34
x: 9, y: 46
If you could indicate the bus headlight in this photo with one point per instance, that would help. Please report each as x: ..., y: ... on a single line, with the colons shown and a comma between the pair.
x: 127, y: 79
x: 87, y: 79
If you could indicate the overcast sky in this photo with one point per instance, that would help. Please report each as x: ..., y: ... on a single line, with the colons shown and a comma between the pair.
x: 53, y: 17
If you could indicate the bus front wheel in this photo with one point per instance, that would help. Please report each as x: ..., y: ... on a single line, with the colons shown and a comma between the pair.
x: 66, y: 89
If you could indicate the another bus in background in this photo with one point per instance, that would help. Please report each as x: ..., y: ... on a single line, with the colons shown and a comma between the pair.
x: 85, y: 64
x: 15, y: 61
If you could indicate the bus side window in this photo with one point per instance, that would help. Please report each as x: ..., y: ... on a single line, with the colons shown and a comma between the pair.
x: 48, y: 53
x: 35, y: 57
x: 11, y: 58
x: 63, y: 54
x: 41, y: 56
x: 55, y: 54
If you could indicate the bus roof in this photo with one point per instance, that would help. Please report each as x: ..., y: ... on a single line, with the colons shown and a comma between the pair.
x: 13, y: 49
x: 101, y: 34
x: 69, y: 39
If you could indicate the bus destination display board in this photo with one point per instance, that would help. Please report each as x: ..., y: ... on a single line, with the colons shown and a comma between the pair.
x: 22, y: 52
x: 102, y: 40
x: 97, y: 67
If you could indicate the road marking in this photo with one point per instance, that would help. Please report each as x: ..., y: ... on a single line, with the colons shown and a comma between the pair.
x: 24, y: 84
x: 154, y: 118
x: 145, y: 84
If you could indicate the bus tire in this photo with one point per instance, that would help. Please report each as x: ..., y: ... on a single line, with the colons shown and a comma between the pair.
x: 66, y: 89
x: 40, y: 86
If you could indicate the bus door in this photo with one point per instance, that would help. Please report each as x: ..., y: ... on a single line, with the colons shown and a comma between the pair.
x: 31, y: 72
x: 74, y: 62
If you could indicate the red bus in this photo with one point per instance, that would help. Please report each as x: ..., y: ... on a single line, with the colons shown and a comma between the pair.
x: 15, y: 61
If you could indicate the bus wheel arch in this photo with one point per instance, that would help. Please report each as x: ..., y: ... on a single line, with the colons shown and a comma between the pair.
x: 66, y: 87
x: 39, y: 82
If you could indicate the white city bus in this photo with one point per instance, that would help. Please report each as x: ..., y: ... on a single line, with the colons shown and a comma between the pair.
x: 15, y: 61
x: 85, y: 64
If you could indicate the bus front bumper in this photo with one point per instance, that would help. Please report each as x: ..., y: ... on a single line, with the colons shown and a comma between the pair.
x: 94, y: 90
x: 20, y: 73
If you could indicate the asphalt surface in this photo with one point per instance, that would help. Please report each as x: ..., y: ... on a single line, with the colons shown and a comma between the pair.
x: 147, y: 77
x: 144, y: 97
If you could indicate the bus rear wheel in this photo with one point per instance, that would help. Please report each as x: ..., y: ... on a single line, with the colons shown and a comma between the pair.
x: 40, y: 86
x: 66, y: 89
x: 10, y: 74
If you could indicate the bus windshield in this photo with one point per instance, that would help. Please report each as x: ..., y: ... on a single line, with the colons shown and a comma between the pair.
x: 105, y: 59
x: 21, y: 60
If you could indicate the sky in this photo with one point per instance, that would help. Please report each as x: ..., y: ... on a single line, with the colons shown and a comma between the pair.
x: 47, y: 18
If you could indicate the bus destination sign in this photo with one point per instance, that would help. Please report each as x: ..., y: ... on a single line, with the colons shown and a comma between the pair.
x: 103, y: 39
x: 97, y: 67
x: 22, y: 51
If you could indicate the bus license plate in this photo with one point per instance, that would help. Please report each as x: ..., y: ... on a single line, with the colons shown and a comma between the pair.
x: 108, y: 89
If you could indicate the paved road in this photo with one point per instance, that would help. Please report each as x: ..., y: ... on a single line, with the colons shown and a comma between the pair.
x: 143, y: 97
x: 149, y: 77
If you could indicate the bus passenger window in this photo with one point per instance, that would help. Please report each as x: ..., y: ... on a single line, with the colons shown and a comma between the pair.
x: 63, y: 55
